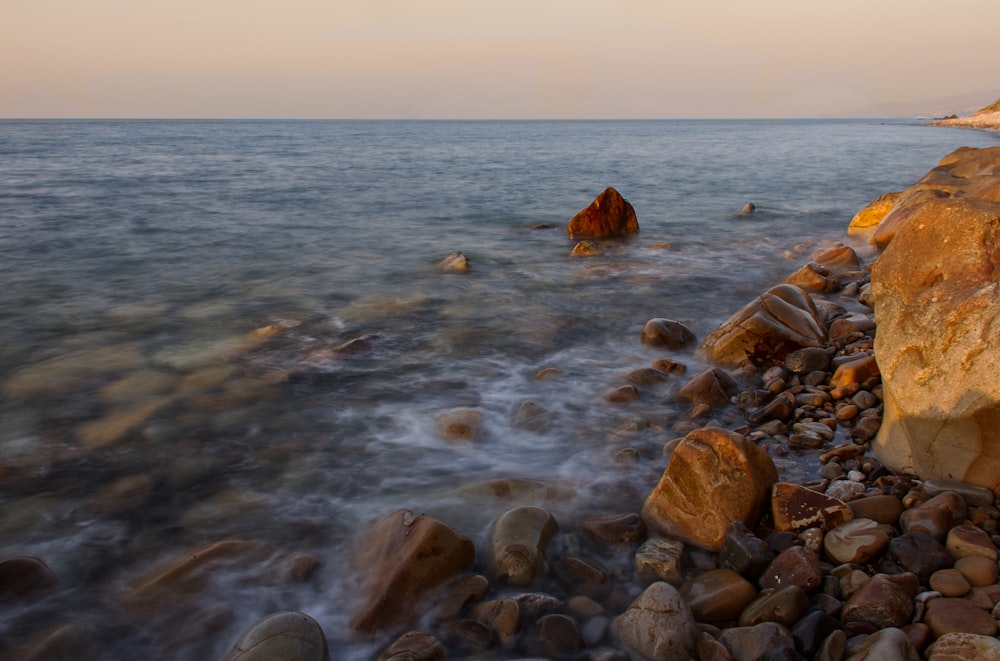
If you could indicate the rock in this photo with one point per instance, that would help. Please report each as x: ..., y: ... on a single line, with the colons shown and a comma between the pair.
x: 468, y: 637
x: 459, y: 424
x: 667, y: 334
x: 937, y: 292
x: 713, y: 387
x: 814, y: 277
x: 810, y: 632
x: 979, y: 571
x: 964, y: 647
x: 858, y: 541
x: 504, y: 616
x: 767, y: 640
x: 809, y: 359
x: 919, y: 553
x: 973, y: 494
x: 795, y: 508
x: 855, y: 371
x: 616, y: 529
x: 608, y: 215
x: 556, y: 635
x: 646, y: 376
x: 889, y: 644
x: 966, y: 541
x: 456, y: 262
x: 934, y: 517
x: 879, y: 601
x: 796, y: 565
x: 784, y: 605
x: 767, y: 329
x: 25, y: 577
x: 948, y: 615
x: 658, y: 625
x: 744, y: 552
x: 581, y: 576
x: 718, y: 595
x: 533, y: 417
x: 660, y: 560
x: 414, y: 646
x: 470, y: 588
x: 585, y: 249
x: 405, y: 557
x: 881, y: 508
x: 832, y: 649
x: 64, y: 642
x: 622, y: 395
x: 714, y: 477
x: 949, y: 582
x: 866, y: 220
x: 519, y: 539
x: 294, y: 636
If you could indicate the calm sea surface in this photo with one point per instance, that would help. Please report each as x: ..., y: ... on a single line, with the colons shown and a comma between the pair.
x: 173, y: 294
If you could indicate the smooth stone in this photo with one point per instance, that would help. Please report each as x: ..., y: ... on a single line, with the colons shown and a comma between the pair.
x: 708, y: 648
x: 934, y: 517
x: 966, y: 541
x: 715, y: 476
x: 616, y: 529
x: 795, y: 565
x: 586, y: 248
x: 919, y: 553
x: 979, y: 571
x: 784, y: 605
x: 796, y: 508
x: 767, y: 640
x: 667, y: 334
x: 832, y: 649
x: 456, y: 262
x: 66, y: 641
x: 845, y: 490
x: 857, y: 541
x: 414, y: 646
x: 459, y: 424
x: 556, y: 635
x: 974, y: 495
x: 469, y: 588
x: 810, y: 631
x: 660, y: 560
x: 519, y: 539
x: 744, y: 552
x: 881, y: 602
x: 658, y: 625
x: 951, y: 615
x: 533, y: 417
x: 854, y: 371
x: 609, y: 214
x: 949, y: 582
x: 289, y: 635
x: 468, y: 637
x: 504, y: 616
x: 890, y: 644
x: 719, y: 595
x: 881, y: 508
x: 404, y: 558
x: 581, y: 576
x: 713, y: 387
x: 808, y: 359
x: 964, y: 647
x: 24, y: 577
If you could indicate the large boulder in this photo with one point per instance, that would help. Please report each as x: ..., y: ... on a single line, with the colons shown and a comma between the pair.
x: 779, y: 321
x: 405, y: 557
x: 937, y: 297
x: 608, y: 215
x: 715, y: 476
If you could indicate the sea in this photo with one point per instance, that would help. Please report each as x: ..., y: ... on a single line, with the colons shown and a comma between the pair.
x: 240, y: 330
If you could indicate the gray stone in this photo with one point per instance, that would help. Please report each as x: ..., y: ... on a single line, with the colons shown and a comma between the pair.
x: 293, y: 636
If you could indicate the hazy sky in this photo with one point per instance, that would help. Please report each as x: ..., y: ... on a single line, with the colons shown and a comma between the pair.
x: 495, y: 58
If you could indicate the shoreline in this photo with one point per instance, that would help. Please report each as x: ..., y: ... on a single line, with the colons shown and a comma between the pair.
x: 987, y: 121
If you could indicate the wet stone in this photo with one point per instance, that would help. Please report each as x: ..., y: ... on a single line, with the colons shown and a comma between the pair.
x: 973, y: 494
x: 667, y: 334
x: 767, y: 640
x: 880, y: 602
x: 966, y: 541
x: 880, y: 508
x: 793, y: 566
x: 919, y: 553
x: 503, y: 616
x: 519, y: 539
x: 796, y: 508
x: 950, y: 615
x: 964, y: 647
x: 414, y: 646
x: 810, y: 632
x: 289, y: 635
x: 468, y: 637
x: 978, y: 570
x: 24, y: 577
x: 845, y: 490
x: 719, y: 595
x: 857, y: 541
x: 660, y: 560
x: 744, y: 552
x: 658, y: 624
x: 934, y: 517
x: 949, y: 582
x: 616, y: 529
x: 784, y: 605
x: 808, y: 359
x: 865, y: 429
x: 889, y: 644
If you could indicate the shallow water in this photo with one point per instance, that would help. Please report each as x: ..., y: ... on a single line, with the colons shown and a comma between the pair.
x: 175, y: 293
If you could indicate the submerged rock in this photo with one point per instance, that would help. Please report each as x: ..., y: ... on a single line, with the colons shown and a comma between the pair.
x: 294, y: 636
x: 519, y: 540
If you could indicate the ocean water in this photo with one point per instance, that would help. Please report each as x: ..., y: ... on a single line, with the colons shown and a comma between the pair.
x: 174, y: 294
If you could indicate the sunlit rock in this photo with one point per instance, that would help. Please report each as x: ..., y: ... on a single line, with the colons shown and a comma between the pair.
x: 866, y: 220
x: 608, y: 215
x: 456, y: 262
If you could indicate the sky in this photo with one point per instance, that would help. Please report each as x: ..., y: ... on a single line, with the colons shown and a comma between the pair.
x: 532, y: 59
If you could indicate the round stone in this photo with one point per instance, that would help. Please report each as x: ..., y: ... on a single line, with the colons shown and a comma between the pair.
x: 950, y: 583
x: 718, y: 595
x: 281, y: 636
x: 979, y: 571
x: 950, y: 615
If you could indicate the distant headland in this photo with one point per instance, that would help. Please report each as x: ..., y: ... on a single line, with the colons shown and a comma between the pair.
x: 985, y: 118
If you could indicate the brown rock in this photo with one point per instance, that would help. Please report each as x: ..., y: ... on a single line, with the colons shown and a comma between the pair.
x: 660, y: 560
x: 881, y: 602
x: 608, y: 215
x: 866, y: 220
x: 658, y: 625
x: 882, y: 508
x: 459, y: 424
x: 814, y: 277
x: 950, y: 583
x: 66, y: 641
x: 405, y: 557
x: 858, y: 541
x: 964, y: 647
x: 667, y: 334
x: 504, y: 617
x: 556, y: 635
x: 890, y: 644
x: 25, y: 577
x: 713, y: 387
x: 934, y: 517
x: 796, y: 565
x: 519, y: 539
x: 585, y: 249
x: 714, y: 477
x: 784, y: 605
x: 966, y: 541
x: 779, y: 321
x: 455, y: 262
x: 467, y: 589
x: 718, y: 595
x: 414, y: 646
x: 979, y: 571
x: 796, y: 508
x: 948, y: 615
x: 767, y: 640
x: 616, y: 529
x: 855, y: 371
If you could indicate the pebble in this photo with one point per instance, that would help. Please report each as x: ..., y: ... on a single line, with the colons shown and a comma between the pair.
x: 880, y: 602
x: 949, y: 582
x: 718, y: 595
x: 979, y: 571
x: 660, y: 560
x: 857, y: 541
x: 890, y: 644
x: 784, y: 605
x: 964, y: 646
x: 795, y: 565
x: 966, y: 541
x: 767, y: 640
x: 951, y: 615
x: 882, y: 508
x: 919, y: 553
x: 935, y: 517
x: 289, y: 635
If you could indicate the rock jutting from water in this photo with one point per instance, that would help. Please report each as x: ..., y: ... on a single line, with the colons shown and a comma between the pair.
x: 608, y: 215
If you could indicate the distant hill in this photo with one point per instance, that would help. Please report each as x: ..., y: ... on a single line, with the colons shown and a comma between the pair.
x: 993, y: 107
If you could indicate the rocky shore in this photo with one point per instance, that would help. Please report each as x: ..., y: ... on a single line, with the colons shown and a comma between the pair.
x: 882, y: 555
x: 987, y: 118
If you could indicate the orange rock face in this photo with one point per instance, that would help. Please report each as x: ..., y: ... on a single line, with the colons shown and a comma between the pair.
x: 405, y: 557
x: 714, y: 477
x: 608, y: 215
